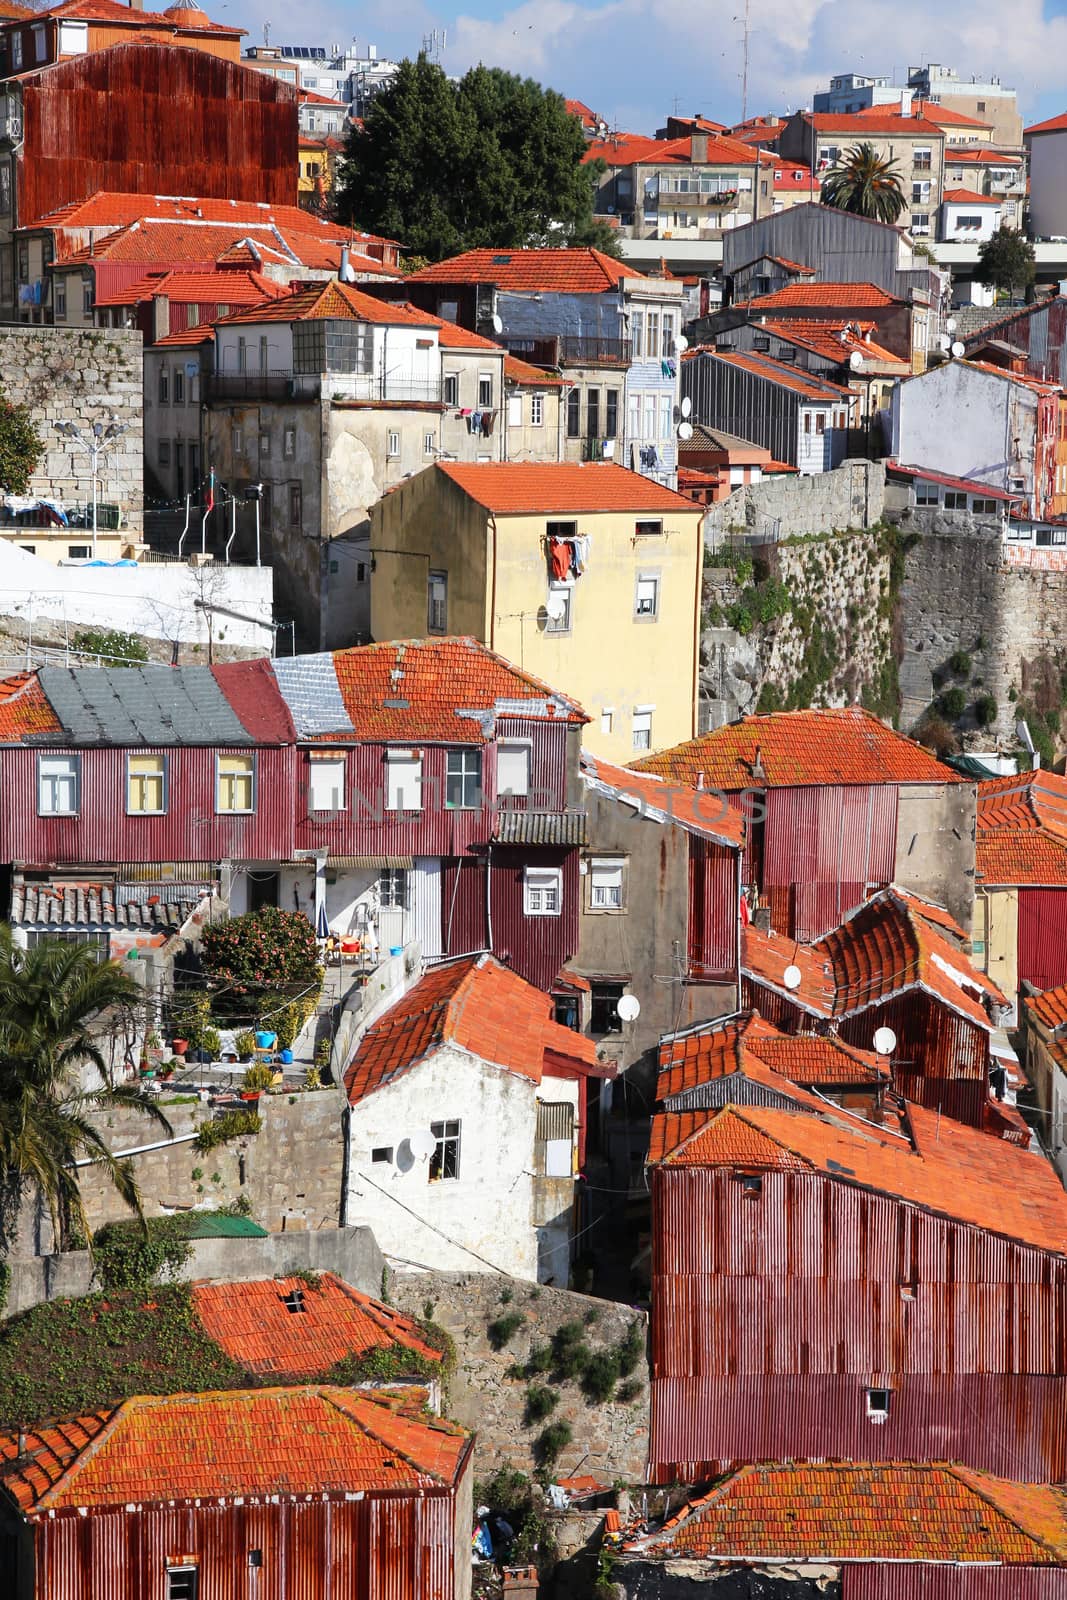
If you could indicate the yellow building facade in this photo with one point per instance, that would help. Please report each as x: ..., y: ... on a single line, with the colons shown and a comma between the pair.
x: 586, y: 575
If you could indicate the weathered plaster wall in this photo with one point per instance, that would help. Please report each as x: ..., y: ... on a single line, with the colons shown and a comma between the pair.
x: 80, y: 375
x: 935, y: 845
x: 692, y: 1580
x: 609, y: 1441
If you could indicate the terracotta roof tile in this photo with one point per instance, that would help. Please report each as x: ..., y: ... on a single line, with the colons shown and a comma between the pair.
x: 251, y: 1323
x: 175, y: 19
x: 474, y: 1004
x: 965, y: 485
x: 721, y: 1048
x: 632, y: 149
x: 807, y: 384
x: 232, y: 287
x: 451, y: 336
x: 336, y: 301
x: 796, y: 748
x: 955, y: 156
x: 836, y: 341
x: 1050, y: 125
x: 203, y: 333
x: 1022, y: 830
x: 968, y: 197
x: 1049, y: 1007
x: 540, y: 488
x: 867, y: 1511
x: 237, y: 1442
x: 801, y: 296
x: 525, y: 374
x: 25, y: 711
x: 873, y: 120
x: 581, y: 271
x: 707, y: 814
x: 943, y: 1166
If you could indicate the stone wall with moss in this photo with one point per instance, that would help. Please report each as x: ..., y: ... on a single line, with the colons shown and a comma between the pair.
x: 807, y: 622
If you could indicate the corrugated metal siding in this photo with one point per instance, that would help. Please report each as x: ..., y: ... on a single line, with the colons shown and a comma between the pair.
x: 384, y: 1546
x: 366, y: 828
x: 426, y: 906
x: 712, y: 910
x: 826, y: 844
x: 116, y: 120
x: 548, y: 762
x: 894, y: 1581
x: 940, y: 1059
x: 190, y: 830
x: 535, y: 947
x: 464, y: 925
x: 1043, y: 937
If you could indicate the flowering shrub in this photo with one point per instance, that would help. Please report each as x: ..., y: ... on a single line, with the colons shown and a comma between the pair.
x: 263, y: 947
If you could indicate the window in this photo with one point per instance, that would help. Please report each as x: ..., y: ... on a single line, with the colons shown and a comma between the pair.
x: 920, y: 193
x: 77, y: 552
x: 382, y: 1152
x: 646, y: 597
x: 537, y: 410
x: 605, y: 883
x: 295, y: 505
x: 637, y: 333
x: 542, y: 891
x: 16, y: 49
x: 183, y: 1583
x: 878, y: 1404
x: 444, y: 1163
x: 40, y: 42
x: 264, y: 351
x: 574, y: 414
x: 87, y: 305
x: 163, y: 453
x: 164, y: 386
x: 603, y: 1012
x: 648, y: 430
x: 955, y: 501
x: 984, y: 507
x: 393, y: 446
x: 403, y: 780
x: 238, y: 442
x: 289, y: 443
x: 179, y: 386
x: 235, y: 783
x: 59, y: 283
x: 437, y: 602
x: 926, y: 494
x: 242, y: 354
x: 666, y: 416
x: 451, y: 395
x: 652, y: 336
x: 920, y: 222
x: 146, y: 785
x: 554, y: 1136
x: 98, y: 943
x: 558, y: 608
x: 264, y: 444
x: 761, y: 342
x: 393, y: 888
x: 820, y: 422
x: 326, y: 784
x: 485, y: 388
x: 751, y: 1184
x: 429, y: 444
x: 649, y: 528
x: 513, y: 768
x: 294, y: 1304
x: 642, y: 727
x: 611, y: 414
x: 514, y: 410
x: 463, y: 780
x: 922, y: 160
x: 592, y: 414
x: 58, y: 785
x: 980, y: 105
x: 607, y: 719
x: 633, y: 415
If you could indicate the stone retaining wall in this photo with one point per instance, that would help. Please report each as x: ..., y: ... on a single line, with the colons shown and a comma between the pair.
x: 790, y: 506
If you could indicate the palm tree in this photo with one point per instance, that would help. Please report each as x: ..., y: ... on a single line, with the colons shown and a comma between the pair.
x: 50, y: 999
x: 866, y: 184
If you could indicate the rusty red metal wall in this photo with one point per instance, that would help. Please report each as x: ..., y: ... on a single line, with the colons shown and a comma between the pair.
x: 940, y: 1059
x: 770, y: 1316
x: 155, y: 119
x: 1046, y: 425
x: 535, y: 947
x: 1043, y: 937
x: 826, y: 844
x: 366, y: 828
x: 464, y: 907
x: 190, y: 830
x: 713, y: 894
x: 898, y: 1581
x: 398, y: 1546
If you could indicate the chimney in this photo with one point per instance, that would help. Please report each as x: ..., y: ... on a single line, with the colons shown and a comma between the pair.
x: 342, y: 271
x: 160, y: 317
x: 905, y: 102
x: 136, y: 5
x: 699, y: 147
x: 761, y: 919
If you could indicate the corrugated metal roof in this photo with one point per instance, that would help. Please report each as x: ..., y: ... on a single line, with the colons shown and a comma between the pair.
x: 541, y: 827
x: 310, y: 689
x: 141, y: 705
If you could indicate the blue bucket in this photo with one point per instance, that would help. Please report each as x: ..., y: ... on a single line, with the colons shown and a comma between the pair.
x: 286, y: 1057
x: 266, y: 1041
x: 396, y: 949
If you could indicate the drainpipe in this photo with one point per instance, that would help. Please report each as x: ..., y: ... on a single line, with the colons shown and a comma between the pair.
x: 492, y: 592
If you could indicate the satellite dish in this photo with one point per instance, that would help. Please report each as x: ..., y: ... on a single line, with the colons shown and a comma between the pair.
x: 944, y: 341
x: 950, y: 325
x: 855, y: 360
x: 629, y: 1007
x: 498, y: 322
x: 885, y: 1041
x: 685, y: 430
x: 422, y: 1144
x: 680, y: 344
x: 958, y: 348
x: 687, y: 407
x: 791, y: 977
x: 556, y: 605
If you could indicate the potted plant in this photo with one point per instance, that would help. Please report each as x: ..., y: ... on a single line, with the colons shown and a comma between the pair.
x: 312, y: 1078
x: 179, y: 1046
x: 246, y: 1045
x: 257, y: 1078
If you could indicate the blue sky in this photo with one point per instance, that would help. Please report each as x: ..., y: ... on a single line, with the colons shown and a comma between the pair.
x: 634, y: 60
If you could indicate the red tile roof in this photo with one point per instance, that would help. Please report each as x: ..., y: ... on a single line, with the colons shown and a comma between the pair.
x: 796, y: 748
x: 308, y: 97
x: 251, y: 1323
x: 698, y: 812
x: 955, y: 155
x: 473, y: 1004
x: 525, y: 374
x: 1050, y: 125
x: 542, y: 488
x: 426, y: 689
x: 581, y: 271
x: 803, y: 296
x: 628, y: 149
x: 177, y: 18
x: 1050, y: 1007
x: 968, y: 197
x: 286, y: 1442
x: 25, y: 711
x: 835, y: 340
x: 967, y: 485
x: 1022, y: 830
x: 943, y: 1166
x: 336, y: 301
x: 203, y: 333
x: 718, y: 1049
x: 930, y: 111
x: 875, y: 119
x: 451, y: 336
x: 232, y: 287
x: 807, y: 384
x: 870, y: 1511
x: 578, y: 108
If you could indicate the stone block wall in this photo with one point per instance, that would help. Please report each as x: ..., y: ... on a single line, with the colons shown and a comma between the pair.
x: 81, y: 375
x: 789, y: 507
x: 609, y: 1441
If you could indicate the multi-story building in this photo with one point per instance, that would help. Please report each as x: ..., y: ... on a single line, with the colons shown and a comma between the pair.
x: 544, y: 562
x: 612, y: 334
x: 991, y: 174
x: 696, y: 187
x: 347, y: 74
x: 801, y: 418
x: 913, y: 145
x: 988, y: 101
x: 1046, y: 144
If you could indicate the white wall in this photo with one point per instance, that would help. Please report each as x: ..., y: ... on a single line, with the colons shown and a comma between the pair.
x: 968, y: 423
x: 950, y: 218
x: 1048, y: 185
x: 279, y: 337
x: 156, y: 600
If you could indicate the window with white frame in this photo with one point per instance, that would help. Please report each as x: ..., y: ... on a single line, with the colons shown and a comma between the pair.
x: 926, y: 494
x: 668, y: 334
x: 393, y: 889
x: 537, y: 410
x: 437, y: 602
x: 444, y: 1163
x: 641, y: 727
x: 429, y: 444
x: 649, y: 429
x: 485, y: 388
x: 637, y: 334
x: 648, y: 528
x: 146, y: 785
x: 542, y: 891
x: 326, y: 783
x: 666, y: 416
x: 403, y: 780
x: 513, y: 767
x: 514, y: 410
x: 183, y: 1583
x: 607, y: 719
x: 463, y: 780
x: 646, y: 597
x: 606, y: 883
x: 235, y: 783
x: 652, y: 336
x: 878, y: 1404
x: 58, y: 785
x: 558, y: 608
x: 451, y: 394
x: 393, y: 445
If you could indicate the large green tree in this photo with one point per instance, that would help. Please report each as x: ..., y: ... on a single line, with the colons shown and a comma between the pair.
x: 1006, y: 262
x: 21, y: 447
x: 492, y: 161
x: 866, y: 184
x: 52, y: 1000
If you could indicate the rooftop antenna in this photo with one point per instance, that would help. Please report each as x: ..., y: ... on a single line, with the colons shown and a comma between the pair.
x: 266, y: 33
x: 744, y: 70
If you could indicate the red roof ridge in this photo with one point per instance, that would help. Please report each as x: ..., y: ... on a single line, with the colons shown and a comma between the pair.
x: 530, y: 488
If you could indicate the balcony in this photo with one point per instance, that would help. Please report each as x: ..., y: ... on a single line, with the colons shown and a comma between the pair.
x: 246, y: 388
x: 371, y: 387
x: 566, y: 350
x: 249, y: 388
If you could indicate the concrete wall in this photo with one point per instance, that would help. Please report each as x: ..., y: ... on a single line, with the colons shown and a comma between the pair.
x: 1048, y: 185
x: 156, y: 599
x: 991, y: 437
x: 610, y: 1441
x: 83, y: 376
x: 852, y: 496
x: 935, y: 845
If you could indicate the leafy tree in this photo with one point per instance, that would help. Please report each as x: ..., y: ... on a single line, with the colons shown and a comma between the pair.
x: 866, y: 184
x: 492, y: 161
x: 21, y: 447
x: 1006, y: 262
x: 50, y: 998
